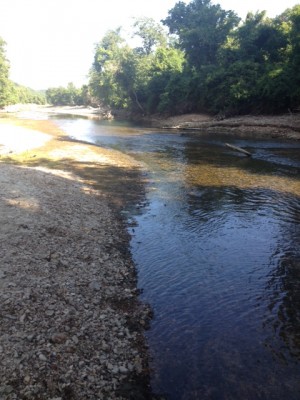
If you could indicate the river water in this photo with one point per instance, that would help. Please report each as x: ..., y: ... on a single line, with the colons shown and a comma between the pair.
x: 217, y: 248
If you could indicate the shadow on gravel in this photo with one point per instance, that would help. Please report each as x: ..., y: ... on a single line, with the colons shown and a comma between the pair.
x: 121, y: 186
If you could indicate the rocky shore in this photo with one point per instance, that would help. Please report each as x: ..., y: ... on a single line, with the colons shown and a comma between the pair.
x: 72, y: 325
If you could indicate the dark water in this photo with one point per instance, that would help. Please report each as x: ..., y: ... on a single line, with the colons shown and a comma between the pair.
x: 217, y: 247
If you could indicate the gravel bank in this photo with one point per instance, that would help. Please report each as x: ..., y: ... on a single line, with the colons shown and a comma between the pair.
x: 71, y: 324
x: 285, y: 126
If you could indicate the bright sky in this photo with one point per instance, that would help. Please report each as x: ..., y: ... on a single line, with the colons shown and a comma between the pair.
x: 51, y: 42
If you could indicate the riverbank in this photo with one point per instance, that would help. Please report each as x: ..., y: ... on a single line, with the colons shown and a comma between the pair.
x: 285, y: 126
x: 276, y: 126
x: 72, y: 325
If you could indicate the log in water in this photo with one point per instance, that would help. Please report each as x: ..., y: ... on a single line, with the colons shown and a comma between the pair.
x: 239, y: 149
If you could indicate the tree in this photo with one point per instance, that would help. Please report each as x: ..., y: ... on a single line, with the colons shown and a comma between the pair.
x: 202, y: 27
x: 250, y: 74
x: 291, y: 22
x: 5, y: 84
x: 119, y: 74
x: 10, y: 92
x: 65, y: 96
x: 22, y: 94
x: 258, y: 39
x: 166, y: 91
x: 151, y: 33
x: 106, y: 76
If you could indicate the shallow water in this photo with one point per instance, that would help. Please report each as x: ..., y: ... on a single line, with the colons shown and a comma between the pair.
x: 217, y: 247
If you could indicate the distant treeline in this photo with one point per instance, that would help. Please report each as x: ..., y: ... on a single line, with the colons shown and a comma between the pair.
x: 200, y: 58
x: 70, y: 96
x: 10, y: 92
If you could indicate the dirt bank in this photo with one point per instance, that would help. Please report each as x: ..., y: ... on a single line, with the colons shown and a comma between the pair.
x: 280, y: 126
x: 71, y: 322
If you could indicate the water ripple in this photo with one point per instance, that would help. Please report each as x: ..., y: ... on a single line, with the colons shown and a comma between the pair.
x: 218, y: 256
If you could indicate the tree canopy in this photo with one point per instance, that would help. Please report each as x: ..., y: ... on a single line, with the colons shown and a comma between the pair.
x: 202, y: 27
x: 209, y: 61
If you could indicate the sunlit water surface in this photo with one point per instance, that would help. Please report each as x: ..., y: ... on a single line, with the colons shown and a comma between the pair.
x: 217, y: 248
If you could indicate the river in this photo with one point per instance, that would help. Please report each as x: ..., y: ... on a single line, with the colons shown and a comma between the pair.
x: 217, y: 248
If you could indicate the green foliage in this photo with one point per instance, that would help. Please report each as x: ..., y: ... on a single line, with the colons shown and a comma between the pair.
x: 10, y: 92
x: 151, y: 33
x: 25, y: 95
x: 68, y: 96
x: 262, y: 54
x: 275, y: 90
x: 138, y: 79
x: 108, y: 79
x: 202, y: 27
x: 259, y: 39
x: 291, y: 21
x: 5, y: 84
x: 231, y: 89
x: 209, y: 62
x: 166, y: 85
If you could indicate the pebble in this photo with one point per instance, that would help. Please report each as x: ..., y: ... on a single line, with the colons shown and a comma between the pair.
x: 62, y: 331
x: 75, y: 339
x: 58, y: 337
x: 42, y: 357
x: 115, y: 370
x: 22, y: 318
x: 95, y: 286
x: 2, y: 274
x: 123, y: 370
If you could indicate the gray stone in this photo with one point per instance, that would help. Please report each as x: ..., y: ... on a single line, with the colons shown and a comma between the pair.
x: 95, y: 286
x: 123, y: 370
x: 42, y: 357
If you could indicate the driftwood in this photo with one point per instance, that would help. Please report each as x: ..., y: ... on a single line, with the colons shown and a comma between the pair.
x: 238, y: 149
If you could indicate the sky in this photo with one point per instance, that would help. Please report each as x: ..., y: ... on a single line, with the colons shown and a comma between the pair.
x: 51, y: 42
